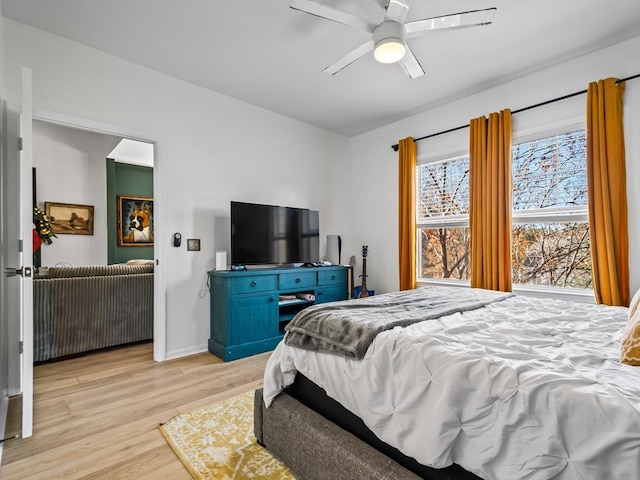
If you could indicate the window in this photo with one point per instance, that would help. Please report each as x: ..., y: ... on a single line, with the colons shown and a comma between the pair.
x: 443, y: 218
x: 550, y: 218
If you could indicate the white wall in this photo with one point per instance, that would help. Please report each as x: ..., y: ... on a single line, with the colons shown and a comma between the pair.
x: 71, y: 168
x: 374, y: 163
x: 214, y: 149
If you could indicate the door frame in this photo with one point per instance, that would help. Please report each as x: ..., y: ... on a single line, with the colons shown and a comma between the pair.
x: 159, y: 285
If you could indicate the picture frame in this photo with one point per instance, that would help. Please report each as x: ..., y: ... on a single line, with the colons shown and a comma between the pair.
x: 70, y: 218
x: 135, y: 221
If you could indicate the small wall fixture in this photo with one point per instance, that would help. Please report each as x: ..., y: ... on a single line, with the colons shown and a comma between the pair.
x: 388, y: 39
x: 193, y: 244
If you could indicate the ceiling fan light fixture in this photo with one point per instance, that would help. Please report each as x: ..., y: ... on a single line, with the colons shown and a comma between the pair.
x: 389, y: 50
x: 388, y: 41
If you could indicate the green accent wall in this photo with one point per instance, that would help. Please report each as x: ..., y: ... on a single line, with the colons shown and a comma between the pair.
x: 134, y: 181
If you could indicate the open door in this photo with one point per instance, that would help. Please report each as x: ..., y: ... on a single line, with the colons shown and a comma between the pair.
x: 19, y: 256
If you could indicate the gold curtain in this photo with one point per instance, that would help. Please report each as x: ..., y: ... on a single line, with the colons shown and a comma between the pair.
x: 490, y: 201
x: 407, y: 213
x: 607, y: 188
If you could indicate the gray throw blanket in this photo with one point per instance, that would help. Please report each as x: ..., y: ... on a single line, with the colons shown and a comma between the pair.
x: 347, y: 328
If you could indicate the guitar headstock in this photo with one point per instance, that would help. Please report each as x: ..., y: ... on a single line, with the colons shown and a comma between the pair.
x: 365, y: 251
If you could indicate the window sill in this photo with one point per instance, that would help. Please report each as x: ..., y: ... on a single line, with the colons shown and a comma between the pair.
x: 571, y: 294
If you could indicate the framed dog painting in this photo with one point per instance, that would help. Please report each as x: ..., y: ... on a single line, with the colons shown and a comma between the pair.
x: 135, y: 221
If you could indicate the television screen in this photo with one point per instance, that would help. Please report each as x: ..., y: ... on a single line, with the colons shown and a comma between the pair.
x: 268, y: 234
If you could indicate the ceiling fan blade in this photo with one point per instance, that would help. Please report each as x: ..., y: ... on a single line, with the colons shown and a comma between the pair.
x: 456, y: 20
x: 410, y: 64
x: 325, y: 11
x: 397, y: 11
x: 349, y: 58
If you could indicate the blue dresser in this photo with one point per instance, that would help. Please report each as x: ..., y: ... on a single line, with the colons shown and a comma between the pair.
x: 250, y: 309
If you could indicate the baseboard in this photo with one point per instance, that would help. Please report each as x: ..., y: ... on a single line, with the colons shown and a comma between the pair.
x: 185, y: 352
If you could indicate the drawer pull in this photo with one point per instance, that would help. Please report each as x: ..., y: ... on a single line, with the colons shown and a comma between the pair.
x: 253, y: 283
x: 272, y: 299
x: 297, y: 280
x: 333, y: 277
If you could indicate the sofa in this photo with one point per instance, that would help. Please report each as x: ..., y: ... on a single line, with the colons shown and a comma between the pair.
x: 80, y: 309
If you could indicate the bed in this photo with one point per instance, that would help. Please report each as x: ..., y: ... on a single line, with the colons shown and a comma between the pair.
x: 517, y: 387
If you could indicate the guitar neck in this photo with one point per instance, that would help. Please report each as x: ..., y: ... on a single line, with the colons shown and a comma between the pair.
x: 364, y: 273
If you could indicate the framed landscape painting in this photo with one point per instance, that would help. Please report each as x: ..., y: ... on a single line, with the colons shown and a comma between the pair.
x: 135, y: 221
x: 70, y: 218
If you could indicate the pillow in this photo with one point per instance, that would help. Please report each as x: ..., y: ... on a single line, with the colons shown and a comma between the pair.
x: 140, y: 262
x: 630, y: 345
x: 635, y: 303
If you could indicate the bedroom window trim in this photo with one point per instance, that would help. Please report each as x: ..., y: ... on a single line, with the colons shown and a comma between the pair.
x: 560, y: 214
x: 558, y: 293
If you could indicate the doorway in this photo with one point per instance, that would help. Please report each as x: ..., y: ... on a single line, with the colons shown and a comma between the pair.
x: 80, y: 179
x: 110, y: 132
x: 99, y: 127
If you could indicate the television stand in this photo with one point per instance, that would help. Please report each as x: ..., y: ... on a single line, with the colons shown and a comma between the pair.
x: 247, y: 313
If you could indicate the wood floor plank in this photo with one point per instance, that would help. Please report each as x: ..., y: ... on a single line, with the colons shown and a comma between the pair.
x: 97, y: 361
x: 50, y: 384
x: 170, y: 471
x: 43, y: 454
x: 88, y: 459
x: 217, y: 397
x: 135, y: 467
x: 97, y: 416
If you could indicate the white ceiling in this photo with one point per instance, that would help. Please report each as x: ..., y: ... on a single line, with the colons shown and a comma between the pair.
x: 133, y: 152
x: 269, y: 55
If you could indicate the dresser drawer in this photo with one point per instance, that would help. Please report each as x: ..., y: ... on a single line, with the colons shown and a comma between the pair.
x: 332, y: 277
x: 331, y: 294
x: 297, y: 280
x: 248, y: 284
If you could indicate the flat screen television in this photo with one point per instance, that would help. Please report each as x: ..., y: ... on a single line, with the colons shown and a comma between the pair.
x: 268, y: 234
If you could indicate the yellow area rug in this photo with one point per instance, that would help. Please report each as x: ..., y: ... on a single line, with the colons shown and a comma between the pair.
x: 216, y: 442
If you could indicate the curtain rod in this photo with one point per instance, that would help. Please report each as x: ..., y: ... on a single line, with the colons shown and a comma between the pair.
x: 524, y: 109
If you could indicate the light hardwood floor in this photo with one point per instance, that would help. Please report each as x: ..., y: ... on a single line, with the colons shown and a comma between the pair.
x: 97, y: 416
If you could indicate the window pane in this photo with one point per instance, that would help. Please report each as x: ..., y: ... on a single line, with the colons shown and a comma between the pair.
x: 445, y: 253
x: 443, y: 188
x: 555, y: 254
x: 550, y: 172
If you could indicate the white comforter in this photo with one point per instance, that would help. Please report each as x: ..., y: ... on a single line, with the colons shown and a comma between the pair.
x: 520, y: 389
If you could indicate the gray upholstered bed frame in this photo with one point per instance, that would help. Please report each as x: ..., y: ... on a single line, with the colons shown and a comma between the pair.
x: 315, y: 448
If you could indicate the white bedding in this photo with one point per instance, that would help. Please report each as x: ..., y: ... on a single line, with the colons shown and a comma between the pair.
x: 520, y: 389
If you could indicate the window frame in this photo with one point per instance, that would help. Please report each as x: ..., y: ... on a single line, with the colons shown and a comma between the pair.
x: 542, y: 215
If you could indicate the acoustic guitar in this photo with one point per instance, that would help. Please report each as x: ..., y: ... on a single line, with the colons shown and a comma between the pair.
x: 361, y: 290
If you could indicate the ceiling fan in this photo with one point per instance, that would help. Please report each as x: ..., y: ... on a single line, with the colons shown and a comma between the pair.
x: 388, y: 40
